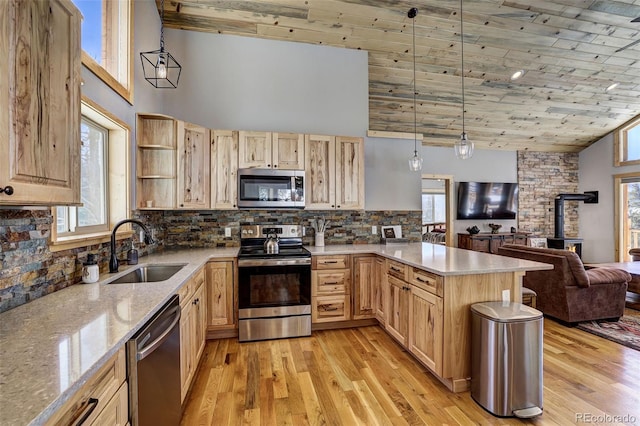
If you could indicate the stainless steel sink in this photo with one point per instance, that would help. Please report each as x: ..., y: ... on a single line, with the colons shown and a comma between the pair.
x: 148, y: 274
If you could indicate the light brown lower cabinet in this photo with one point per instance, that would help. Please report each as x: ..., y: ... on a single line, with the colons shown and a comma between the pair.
x: 363, y: 296
x: 330, y: 288
x: 397, y: 323
x: 102, y: 400
x: 381, y: 290
x: 415, y: 313
x: 192, y: 325
x: 221, y: 304
x: 425, y: 328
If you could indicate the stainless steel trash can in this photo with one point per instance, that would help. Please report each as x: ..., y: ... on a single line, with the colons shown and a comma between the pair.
x: 506, y: 358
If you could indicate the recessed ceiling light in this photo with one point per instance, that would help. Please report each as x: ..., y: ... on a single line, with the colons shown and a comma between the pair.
x: 516, y: 75
x: 611, y: 87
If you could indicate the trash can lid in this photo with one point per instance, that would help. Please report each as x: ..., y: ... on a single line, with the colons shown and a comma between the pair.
x: 505, y: 311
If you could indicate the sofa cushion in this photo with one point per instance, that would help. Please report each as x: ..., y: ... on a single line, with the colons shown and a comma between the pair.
x: 607, y: 275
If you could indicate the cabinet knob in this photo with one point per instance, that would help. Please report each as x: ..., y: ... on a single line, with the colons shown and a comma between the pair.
x: 7, y: 190
x: 275, y: 166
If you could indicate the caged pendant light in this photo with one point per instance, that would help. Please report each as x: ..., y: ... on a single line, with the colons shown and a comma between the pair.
x: 159, y: 67
x: 415, y: 162
x: 464, y: 147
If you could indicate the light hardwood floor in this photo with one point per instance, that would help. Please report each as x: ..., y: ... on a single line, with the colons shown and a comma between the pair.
x: 361, y: 376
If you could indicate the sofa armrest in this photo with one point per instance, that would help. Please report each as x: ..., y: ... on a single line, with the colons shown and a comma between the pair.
x: 607, y: 276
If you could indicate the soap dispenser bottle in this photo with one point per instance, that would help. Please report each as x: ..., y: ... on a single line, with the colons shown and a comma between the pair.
x: 132, y: 255
x: 90, y: 270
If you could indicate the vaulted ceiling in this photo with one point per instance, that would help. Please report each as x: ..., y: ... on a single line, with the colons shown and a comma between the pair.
x: 571, y: 51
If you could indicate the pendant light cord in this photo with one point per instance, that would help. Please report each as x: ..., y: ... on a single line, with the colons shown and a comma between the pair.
x: 415, y: 112
x: 462, y: 62
x: 162, y: 25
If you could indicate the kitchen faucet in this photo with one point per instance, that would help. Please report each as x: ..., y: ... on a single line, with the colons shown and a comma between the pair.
x: 113, y: 261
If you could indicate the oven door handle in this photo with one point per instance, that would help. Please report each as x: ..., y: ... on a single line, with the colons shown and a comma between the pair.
x: 273, y: 262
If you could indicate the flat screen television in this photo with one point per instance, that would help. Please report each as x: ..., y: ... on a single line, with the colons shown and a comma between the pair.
x: 487, y: 200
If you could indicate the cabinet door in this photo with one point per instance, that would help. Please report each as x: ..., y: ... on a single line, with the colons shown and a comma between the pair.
x: 254, y: 150
x: 363, y: 299
x: 425, y: 328
x: 320, y: 171
x: 200, y: 323
x: 186, y: 346
x: 224, y: 165
x: 397, y: 323
x: 219, y: 279
x: 288, y: 151
x: 349, y: 173
x: 381, y: 286
x: 193, y: 167
x: 40, y: 102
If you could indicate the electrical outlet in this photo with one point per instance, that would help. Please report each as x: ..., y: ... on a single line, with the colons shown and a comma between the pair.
x: 374, y: 230
x: 227, y: 232
x: 506, y: 295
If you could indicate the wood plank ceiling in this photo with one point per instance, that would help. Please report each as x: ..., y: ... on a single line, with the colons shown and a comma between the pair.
x: 568, y: 48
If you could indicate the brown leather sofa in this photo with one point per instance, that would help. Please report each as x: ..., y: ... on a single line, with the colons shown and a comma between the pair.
x: 568, y: 292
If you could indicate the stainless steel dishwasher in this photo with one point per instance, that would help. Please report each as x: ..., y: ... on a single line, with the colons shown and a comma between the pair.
x: 153, y: 356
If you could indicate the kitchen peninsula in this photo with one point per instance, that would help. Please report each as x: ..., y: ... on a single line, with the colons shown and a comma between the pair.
x: 52, y: 346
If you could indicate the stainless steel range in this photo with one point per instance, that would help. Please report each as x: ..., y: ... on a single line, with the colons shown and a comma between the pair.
x: 274, y: 284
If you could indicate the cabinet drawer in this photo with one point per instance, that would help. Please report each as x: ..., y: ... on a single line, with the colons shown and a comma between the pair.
x: 331, y: 262
x: 116, y: 413
x: 397, y: 269
x: 426, y: 281
x: 327, y: 283
x: 330, y: 308
x: 93, y: 397
x: 186, y: 291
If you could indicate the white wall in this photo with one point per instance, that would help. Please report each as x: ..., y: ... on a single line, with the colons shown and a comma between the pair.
x: 242, y: 83
x: 596, y: 221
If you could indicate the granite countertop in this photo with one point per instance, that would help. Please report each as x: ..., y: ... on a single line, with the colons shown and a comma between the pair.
x: 51, y: 346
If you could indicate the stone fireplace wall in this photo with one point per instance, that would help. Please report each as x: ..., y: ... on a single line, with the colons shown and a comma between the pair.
x: 542, y: 176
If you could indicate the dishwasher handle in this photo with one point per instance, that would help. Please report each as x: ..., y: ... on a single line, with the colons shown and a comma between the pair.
x: 140, y: 355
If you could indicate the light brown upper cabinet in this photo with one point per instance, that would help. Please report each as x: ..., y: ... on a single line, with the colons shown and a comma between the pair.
x: 40, y: 102
x: 156, y: 142
x: 194, y: 155
x: 334, y: 171
x: 267, y: 150
x: 224, y: 169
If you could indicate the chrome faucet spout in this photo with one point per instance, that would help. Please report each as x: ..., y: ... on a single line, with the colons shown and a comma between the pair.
x: 113, y: 260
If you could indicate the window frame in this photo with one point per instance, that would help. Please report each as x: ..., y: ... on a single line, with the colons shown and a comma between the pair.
x: 124, y: 89
x: 620, y: 204
x: 72, y: 211
x: 620, y: 141
x: 118, y: 182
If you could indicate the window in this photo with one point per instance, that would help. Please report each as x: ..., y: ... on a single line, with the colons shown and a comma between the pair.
x: 627, y: 143
x: 434, y: 208
x: 104, y: 186
x: 93, y: 216
x: 107, y: 42
x: 627, y: 203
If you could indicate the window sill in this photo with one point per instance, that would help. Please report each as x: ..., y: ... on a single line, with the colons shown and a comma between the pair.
x: 67, y: 243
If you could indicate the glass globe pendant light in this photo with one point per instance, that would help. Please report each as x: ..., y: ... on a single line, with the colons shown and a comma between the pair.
x: 415, y: 162
x: 464, y: 147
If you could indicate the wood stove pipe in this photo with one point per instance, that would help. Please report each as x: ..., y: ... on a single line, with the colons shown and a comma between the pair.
x: 589, y: 197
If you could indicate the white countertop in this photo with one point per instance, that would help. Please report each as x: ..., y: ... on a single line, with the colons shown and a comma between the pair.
x: 437, y: 258
x: 52, y: 345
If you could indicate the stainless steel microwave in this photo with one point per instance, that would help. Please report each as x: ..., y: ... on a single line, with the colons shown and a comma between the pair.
x: 264, y: 188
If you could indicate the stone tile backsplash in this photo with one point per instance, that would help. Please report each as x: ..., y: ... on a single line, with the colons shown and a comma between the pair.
x: 29, y: 269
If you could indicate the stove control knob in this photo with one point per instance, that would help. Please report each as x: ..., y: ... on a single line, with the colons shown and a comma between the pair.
x: 294, y: 230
